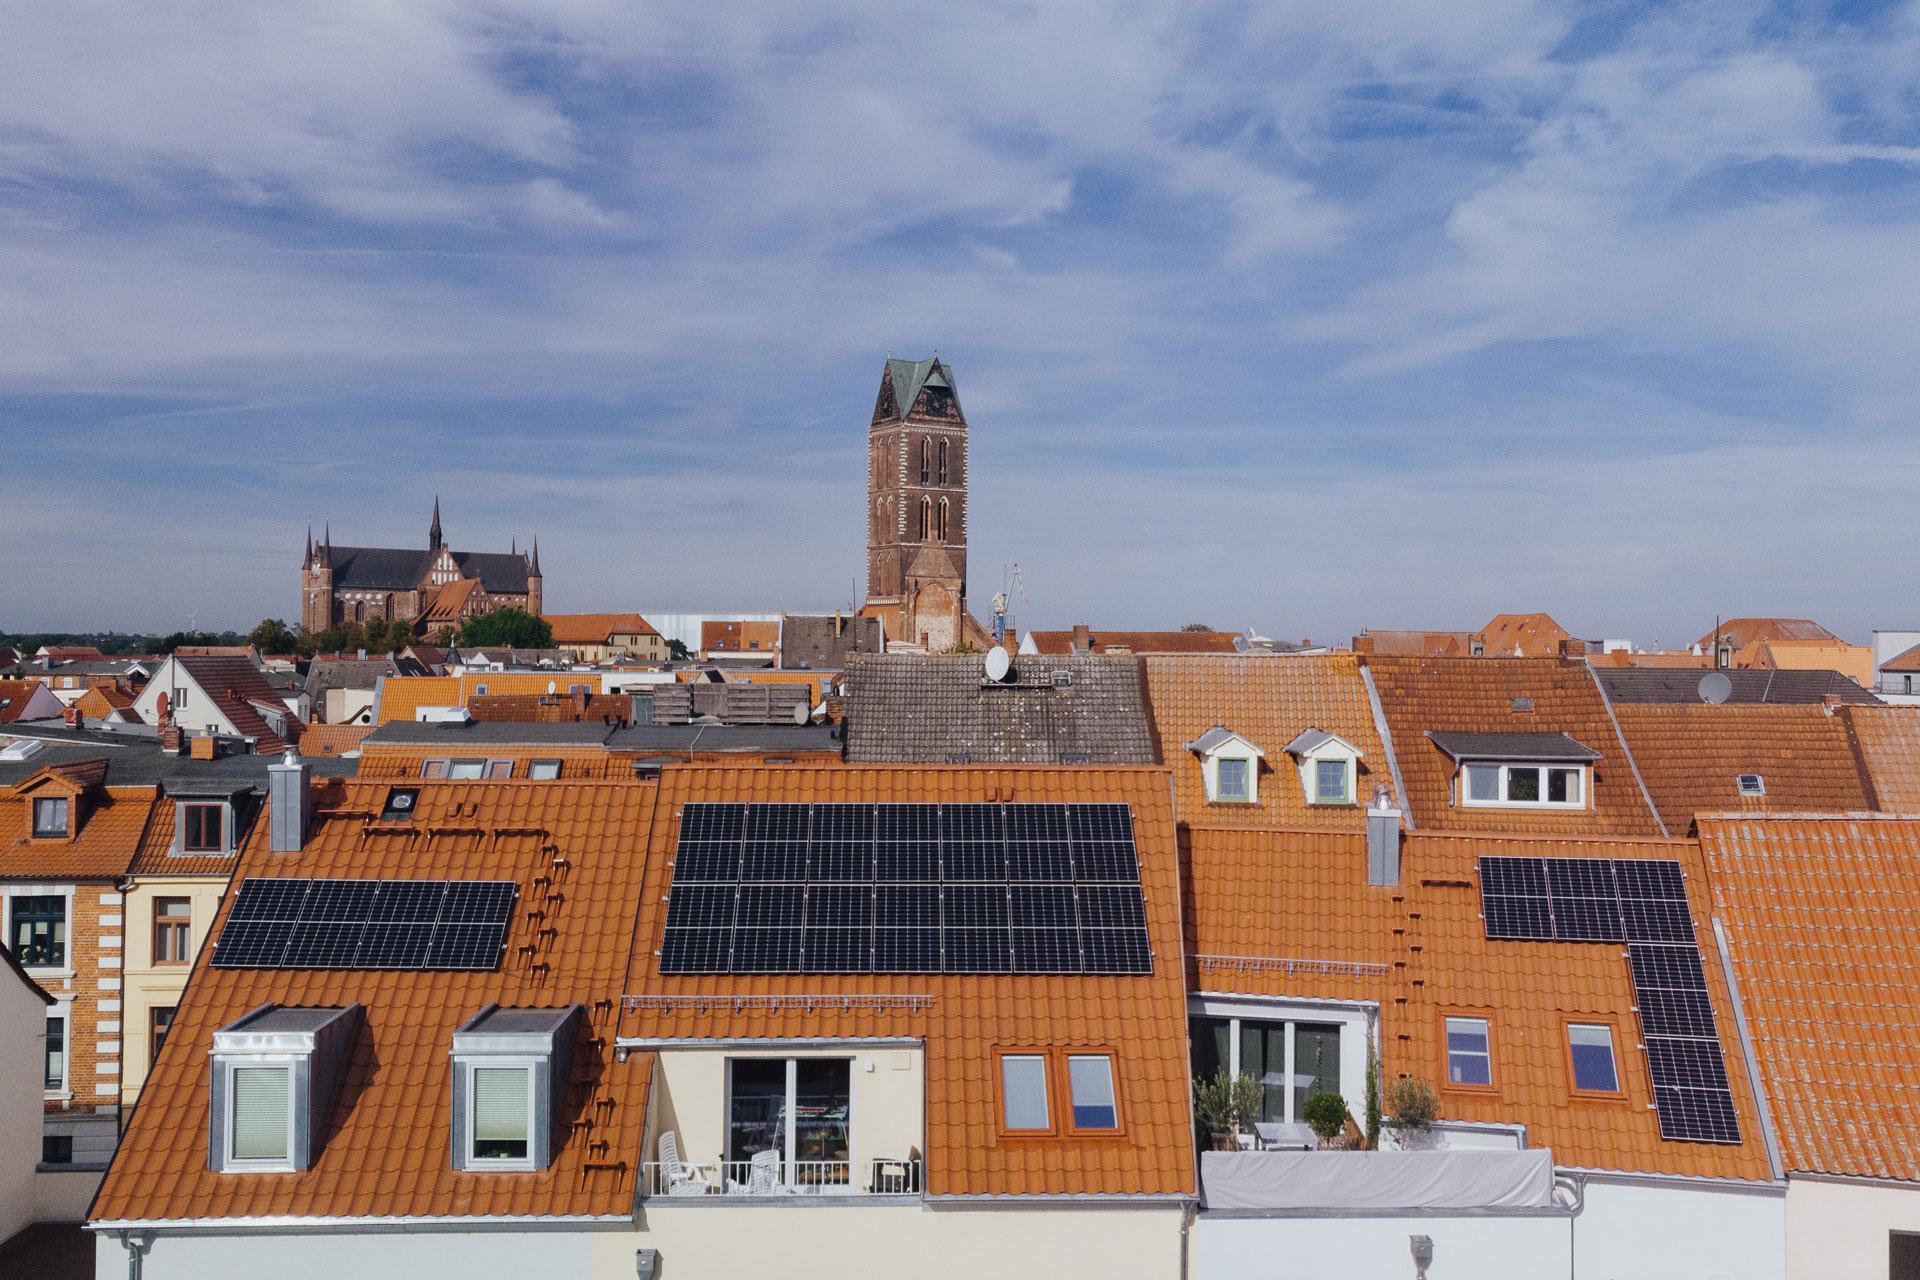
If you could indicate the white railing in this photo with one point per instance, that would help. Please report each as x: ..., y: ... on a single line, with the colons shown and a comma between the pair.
x: 741, y: 1179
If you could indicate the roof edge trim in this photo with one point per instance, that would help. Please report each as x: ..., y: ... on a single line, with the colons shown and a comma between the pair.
x: 265, y: 1225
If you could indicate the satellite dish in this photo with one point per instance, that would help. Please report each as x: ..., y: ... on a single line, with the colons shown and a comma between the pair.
x: 802, y: 712
x: 1715, y: 687
x: 998, y: 664
x: 551, y: 687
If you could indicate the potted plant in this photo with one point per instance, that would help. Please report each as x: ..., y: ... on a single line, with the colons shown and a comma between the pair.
x: 1412, y: 1106
x: 1326, y: 1114
x: 1225, y: 1105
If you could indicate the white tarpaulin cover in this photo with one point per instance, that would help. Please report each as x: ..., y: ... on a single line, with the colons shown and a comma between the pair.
x: 1376, y: 1180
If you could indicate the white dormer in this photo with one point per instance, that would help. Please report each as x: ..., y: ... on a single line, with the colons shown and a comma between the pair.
x: 1229, y: 766
x: 1329, y: 767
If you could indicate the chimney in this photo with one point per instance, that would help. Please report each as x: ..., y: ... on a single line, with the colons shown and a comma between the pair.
x: 1383, y: 839
x: 1082, y: 638
x: 170, y: 738
x: 361, y: 655
x: 289, y: 804
x: 75, y: 718
x: 203, y: 747
x: 1830, y: 702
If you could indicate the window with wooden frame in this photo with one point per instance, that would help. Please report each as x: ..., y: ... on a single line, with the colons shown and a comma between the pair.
x: 1025, y: 1107
x: 1090, y: 1089
x: 172, y: 931
x: 203, y: 829
x: 159, y: 1022
x: 1048, y: 1092
x: 1593, y: 1067
x: 433, y: 768
x: 1467, y: 1040
x: 50, y: 815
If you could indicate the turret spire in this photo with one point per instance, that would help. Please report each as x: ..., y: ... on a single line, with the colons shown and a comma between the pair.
x: 433, y: 534
x: 533, y: 562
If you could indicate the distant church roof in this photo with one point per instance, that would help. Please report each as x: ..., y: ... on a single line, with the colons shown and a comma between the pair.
x: 402, y: 569
x: 911, y: 377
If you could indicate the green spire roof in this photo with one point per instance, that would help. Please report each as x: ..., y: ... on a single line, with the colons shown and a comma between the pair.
x: 911, y: 376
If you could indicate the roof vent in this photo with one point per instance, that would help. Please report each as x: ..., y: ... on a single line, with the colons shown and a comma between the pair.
x: 1063, y: 679
x: 1751, y: 784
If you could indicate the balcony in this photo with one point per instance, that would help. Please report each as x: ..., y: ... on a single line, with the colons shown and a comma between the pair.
x: 766, y: 1179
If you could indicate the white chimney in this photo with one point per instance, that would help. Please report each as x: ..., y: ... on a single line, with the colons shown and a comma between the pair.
x: 289, y: 804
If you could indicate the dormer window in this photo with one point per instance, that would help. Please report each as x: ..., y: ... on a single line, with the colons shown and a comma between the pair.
x: 1229, y: 766
x: 509, y: 1077
x: 1329, y: 766
x: 273, y: 1078
x: 50, y: 814
x: 1518, y: 770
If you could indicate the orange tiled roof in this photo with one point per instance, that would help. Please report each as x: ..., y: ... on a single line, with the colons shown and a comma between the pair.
x: 1690, y: 753
x: 595, y: 628
x: 1820, y: 915
x: 332, y: 739
x: 386, y: 1140
x: 112, y: 822
x: 1269, y: 700
x: 1138, y: 641
x: 1622, y: 658
x: 1303, y: 897
x: 1907, y: 661
x: 402, y: 696
x: 15, y: 695
x: 1741, y: 632
x: 1889, y: 742
x: 1523, y: 635
x: 1854, y: 661
x: 740, y: 637
x: 556, y: 708
x: 1141, y: 1019
x: 1413, y: 644
x: 403, y: 759
x: 448, y: 601
x: 1476, y: 695
x: 155, y: 857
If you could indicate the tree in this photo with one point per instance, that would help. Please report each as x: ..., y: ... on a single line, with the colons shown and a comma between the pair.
x: 1197, y: 626
x: 506, y: 629
x: 1227, y: 1103
x: 1327, y: 1114
x: 677, y: 651
x: 271, y: 636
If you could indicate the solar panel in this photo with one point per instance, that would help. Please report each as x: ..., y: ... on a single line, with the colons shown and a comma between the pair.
x: 906, y: 888
x: 1642, y: 902
x: 366, y: 924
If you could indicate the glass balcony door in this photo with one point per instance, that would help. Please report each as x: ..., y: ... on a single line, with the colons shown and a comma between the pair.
x: 800, y: 1108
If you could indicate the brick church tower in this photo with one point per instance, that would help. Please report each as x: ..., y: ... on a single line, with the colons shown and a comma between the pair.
x: 917, y: 508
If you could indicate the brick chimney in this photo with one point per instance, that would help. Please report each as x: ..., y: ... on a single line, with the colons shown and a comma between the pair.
x: 75, y: 717
x: 1082, y: 638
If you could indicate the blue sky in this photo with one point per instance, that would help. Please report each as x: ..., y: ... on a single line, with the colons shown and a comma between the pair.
x: 1300, y: 316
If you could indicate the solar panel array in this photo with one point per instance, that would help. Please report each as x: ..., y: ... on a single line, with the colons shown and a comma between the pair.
x: 1642, y: 903
x: 366, y: 924
x: 906, y: 888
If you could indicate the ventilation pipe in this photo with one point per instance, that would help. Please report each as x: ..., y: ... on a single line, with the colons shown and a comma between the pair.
x: 289, y: 804
x: 1383, y: 839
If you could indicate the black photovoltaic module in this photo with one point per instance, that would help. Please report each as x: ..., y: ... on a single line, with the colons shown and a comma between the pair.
x: 906, y: 888
x: 366, y: 924
x: 1642, y: 903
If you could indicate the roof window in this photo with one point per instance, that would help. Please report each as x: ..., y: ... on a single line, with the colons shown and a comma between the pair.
x: 1751, y: 784
x: 543, y: 770
x: 274, y: 1073
x: 1518, y: 770
x: 50, y: 814
x: 400, y: 803
x: 509, y: 1078
x: 1329, y: 767
x: 1229, y: 766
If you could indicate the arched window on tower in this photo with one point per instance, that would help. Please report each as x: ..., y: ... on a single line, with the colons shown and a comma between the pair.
x: 943, y: 461
x: 926, y: 520
x: 943, y: 519
x: 926, y: 459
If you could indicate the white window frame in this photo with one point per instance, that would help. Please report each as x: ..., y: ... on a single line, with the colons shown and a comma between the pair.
x: 543, y: 770
x: 508, y: 1063
x: 237, y: 1164
x: 1485, y: 1054
x: 12, y: 891
x: 1358, y: 1022
x: 63, y: 1014
x: 1613, y: 1057
x: 1465, y: 791
x: 467, y: 762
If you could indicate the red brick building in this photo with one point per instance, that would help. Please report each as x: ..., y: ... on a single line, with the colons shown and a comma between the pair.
x: 430, y: 588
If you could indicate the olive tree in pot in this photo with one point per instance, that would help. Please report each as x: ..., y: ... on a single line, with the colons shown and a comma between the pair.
x: 1412, y: 1106
x: 1225, y: 1105
x: 1326, y: 1113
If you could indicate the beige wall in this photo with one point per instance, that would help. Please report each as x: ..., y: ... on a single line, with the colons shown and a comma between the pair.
x: 889, y: 1102
x: 148, y: 985
x: 1840, y: 1230
x: 343, y: 706
x: 890, y: 1240
x: 23, y: 1046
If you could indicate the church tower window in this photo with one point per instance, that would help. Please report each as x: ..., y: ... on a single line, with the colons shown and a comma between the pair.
x: 926, y: 459
x: 943, y: 469
x: 943, y: 519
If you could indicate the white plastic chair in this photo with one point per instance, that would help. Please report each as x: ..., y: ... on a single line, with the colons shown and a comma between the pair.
x: 682, y: 1178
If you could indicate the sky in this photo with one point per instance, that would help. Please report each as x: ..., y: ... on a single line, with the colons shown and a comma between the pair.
x: 1292, y: 316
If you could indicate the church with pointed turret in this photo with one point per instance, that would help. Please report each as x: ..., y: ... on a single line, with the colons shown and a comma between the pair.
x: 429, y: 589
x: 917, y: 510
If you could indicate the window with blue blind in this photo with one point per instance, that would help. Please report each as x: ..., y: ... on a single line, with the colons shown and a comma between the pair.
x: 1090, y: 1081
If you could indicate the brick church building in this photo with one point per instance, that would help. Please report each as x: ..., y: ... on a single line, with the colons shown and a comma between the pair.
x: 917, y: 510
x: 430, y: 589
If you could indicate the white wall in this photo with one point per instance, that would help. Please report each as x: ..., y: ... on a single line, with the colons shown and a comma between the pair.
x: 1670, y: 1231
x: 1839, y: 1230
x: 1380, y: 1248
x: 395, y: 1255
x: 1663, y: 1231
x: 23, y: 1047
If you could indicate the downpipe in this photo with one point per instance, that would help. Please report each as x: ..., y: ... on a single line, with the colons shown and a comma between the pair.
x: 138, y: 1244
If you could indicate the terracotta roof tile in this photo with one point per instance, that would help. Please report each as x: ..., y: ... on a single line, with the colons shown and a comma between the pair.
x: 1820, y: 915
x: 1908, y: 660
x: 1142, y: 1019
x: 155, y: 856
x: 1741, y: 632
x: 1855, y: 661
x: 402, y: 696
x: 112, y: 823
x: 385, y: 1151
x: 1889, y: 740
x: 1690, y: 755
x: 1477, y: 695
x: 595, y: 628
x: 332, y: 739
x: 1420, y: 949
x: 235, y: 684
x: 1048, y: 642
x: 1268, y: 700
x: 1522, y: 635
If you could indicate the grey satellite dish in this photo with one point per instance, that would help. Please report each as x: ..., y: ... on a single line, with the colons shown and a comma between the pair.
x: 802, y: 712
x: 1715, y: 687
x: 998, y: 664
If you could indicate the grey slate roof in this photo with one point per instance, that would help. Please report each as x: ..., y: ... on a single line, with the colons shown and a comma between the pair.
x: 403, y: 568
x: 138, y: 762
x: 1511, y: 746
x: 915, y: 709
x: 1682, y: 684
x: 346, y: 673
x: 775, y: 738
